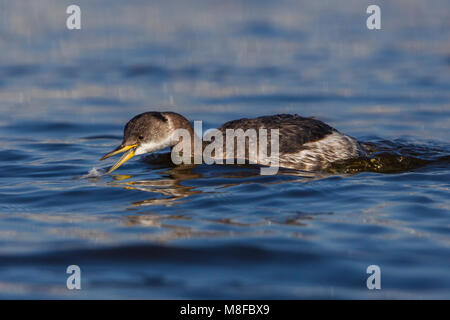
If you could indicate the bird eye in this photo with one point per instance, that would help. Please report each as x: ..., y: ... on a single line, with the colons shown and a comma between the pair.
x: 141, y: 137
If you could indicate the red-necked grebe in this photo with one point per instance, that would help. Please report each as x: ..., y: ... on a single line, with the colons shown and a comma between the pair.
x: 304, y: 143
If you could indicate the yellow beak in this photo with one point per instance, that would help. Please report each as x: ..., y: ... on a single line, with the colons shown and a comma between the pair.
x: 124, y: 158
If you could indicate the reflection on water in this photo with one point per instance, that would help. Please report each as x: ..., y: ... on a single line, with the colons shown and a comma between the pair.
x: 169, y: 186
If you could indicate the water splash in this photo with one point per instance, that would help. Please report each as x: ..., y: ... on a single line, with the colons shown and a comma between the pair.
x: 94, y: 173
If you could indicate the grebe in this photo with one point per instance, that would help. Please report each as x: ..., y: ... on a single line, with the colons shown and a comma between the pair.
x: 305, y: 144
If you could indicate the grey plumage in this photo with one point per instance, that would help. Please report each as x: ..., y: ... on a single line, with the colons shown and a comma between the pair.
x: 304, y: 143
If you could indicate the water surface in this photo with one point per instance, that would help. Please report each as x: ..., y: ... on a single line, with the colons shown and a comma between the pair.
x: 152, y: 230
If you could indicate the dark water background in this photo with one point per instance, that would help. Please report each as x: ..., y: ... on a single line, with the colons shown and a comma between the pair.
x: 154, y: 231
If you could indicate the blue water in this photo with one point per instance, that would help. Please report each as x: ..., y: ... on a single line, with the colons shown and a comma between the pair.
x: 152, y: 230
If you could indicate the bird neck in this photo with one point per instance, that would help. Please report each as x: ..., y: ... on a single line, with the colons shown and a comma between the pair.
x: 177, y: 121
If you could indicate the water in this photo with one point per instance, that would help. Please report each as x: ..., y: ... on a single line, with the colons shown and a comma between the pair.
x: 151, y: 230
